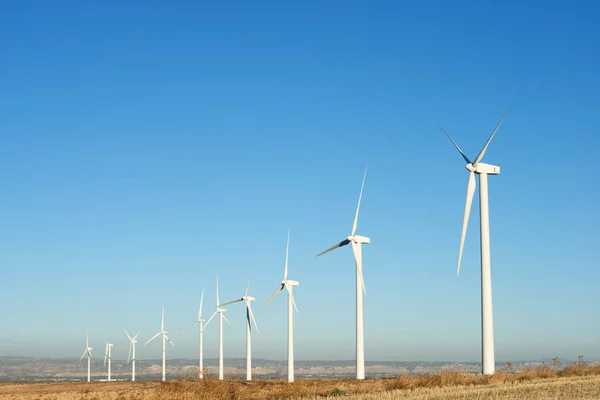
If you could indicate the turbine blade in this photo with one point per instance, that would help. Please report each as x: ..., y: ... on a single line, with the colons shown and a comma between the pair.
x: 279, y: 289
x: 105, y: 354
x: 357, y: 250
x: 201, y: 301
x: 358, y: 206
x: 230, y: 302
x: 480, y: 156
x: 83, y: 355
x: 464, y: 156
x: 210, y: 319
x: 129, y: 353
x: 136, y: 335
x: 169, y: 340
x: 153, y: 337
x: 469, y: 201
x: 251, y: 315
x: 291, y: 297
x: 248, y: 288
x: 287, y: 251
x: 335, y: 246
x: 225, y: 318
x: 129, y: 337
x: 218, y: 289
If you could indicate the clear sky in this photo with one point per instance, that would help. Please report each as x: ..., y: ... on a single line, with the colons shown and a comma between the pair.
x: 144, y: 148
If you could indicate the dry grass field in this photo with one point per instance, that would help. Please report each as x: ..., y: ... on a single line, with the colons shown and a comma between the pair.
x: 575, y: 382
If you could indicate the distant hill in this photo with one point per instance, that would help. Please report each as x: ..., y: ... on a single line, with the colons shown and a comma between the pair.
x: 71, y: 369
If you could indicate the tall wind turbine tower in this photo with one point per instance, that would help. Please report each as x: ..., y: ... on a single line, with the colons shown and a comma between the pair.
x: 357, y: 241
x: 483, y: 170
x: 165, y: 338
x: 107, y: 356
x: 288, y: 285
x: 201, y: 321
x: 88, y: 351
x: 219, y: 310
x: 249, y: 315
x: 131, y: 353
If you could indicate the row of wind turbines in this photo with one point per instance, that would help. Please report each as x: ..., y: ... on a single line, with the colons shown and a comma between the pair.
x: 475, y: 167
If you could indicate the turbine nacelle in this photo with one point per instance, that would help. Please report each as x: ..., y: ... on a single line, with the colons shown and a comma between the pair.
x: 220, y: 310
x: 290, y: 283
x: 483, y: 168
x: 359, y: 239
x: 249, y: 298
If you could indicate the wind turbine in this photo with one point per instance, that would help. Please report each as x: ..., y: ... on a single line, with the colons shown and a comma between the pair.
x: 249, y: 315
x: 107, y: 355
x: 483, y: 170
x: 357, y: 241
x: 288, y: 285
x: 219, y: 310
x: 200, y: 321
x: 164, y: 344
x: 88, y: 351
x: 131, y: 353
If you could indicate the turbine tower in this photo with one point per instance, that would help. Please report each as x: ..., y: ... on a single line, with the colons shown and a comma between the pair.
x: 201, y: 321
x: 219, y: 310
x: 357, y: 241
x: 131, y: 353
x: 288, y: 285
x: 483, y: 170
x: 165, y: 338
x: 88, y: 351
x: 249, y: 315
x: 107, y: 356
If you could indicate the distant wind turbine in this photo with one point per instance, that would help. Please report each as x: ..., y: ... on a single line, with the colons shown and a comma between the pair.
x: 131, y: 353
x: 249, y: 315
x: 107, y: 356
x: 483, y: 170
x: 88, y: 351
x: 288, y: 285
x: 201, y: 321
x: 165, y: 338
x: 219, y: 310
x: 357, y: 241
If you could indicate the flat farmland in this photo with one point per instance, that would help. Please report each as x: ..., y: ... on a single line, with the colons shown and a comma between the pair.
x: 572, y: 383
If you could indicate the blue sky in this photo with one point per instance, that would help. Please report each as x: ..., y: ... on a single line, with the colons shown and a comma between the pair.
x: 144, y: 149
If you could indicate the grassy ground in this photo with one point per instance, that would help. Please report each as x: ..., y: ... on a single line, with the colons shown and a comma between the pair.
x: 576, y: 382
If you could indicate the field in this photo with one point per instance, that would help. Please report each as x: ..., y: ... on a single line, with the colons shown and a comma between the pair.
x: 575, y: 382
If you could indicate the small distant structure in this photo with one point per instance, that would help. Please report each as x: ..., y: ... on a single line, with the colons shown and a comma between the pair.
x: 580, y: 360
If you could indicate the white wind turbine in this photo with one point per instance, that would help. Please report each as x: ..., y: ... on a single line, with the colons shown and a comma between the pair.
x: 88, y: 351
x: 107, y: 356
x: 219, y: 310
x: 288, y: 285
x: 357, y: 241
x: 201, y: 321
x: 249, y: 315
x: 131, y: 353
x: 165, y: 338
x: 483, y: 170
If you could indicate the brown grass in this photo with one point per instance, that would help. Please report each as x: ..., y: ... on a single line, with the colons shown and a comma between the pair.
x: 577, y: 379
x: 570, y: 388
